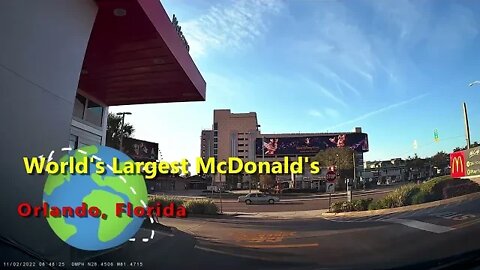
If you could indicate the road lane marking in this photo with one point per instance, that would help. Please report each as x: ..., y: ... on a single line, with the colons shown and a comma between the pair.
x: 429, y: 227
x: 281, y: 246
x: 466, y: 224
x: 236, y: 254
x: 269, y: 237
x: 453, y: 216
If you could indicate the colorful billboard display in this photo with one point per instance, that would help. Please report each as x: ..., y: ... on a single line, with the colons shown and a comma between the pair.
x: 465, y: 163
x: 140, y: 150
x: 291, y: 146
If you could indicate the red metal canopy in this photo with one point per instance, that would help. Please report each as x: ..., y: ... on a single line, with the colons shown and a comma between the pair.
x: 136, y: 56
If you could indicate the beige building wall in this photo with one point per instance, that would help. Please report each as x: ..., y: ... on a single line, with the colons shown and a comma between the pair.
x: 206, y: 144
x: 234, y: 134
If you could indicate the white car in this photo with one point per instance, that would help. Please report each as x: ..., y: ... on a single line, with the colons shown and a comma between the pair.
x: 258, y: 198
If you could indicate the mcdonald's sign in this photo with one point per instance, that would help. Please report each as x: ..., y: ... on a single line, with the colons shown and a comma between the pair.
x: 457, y: 164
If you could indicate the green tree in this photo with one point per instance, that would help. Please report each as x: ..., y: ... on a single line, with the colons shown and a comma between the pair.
x: 114, y: 132
x: 232, y: 180
x: 254, y: 179
x: 341, y: 158
x: 415, y: 162
x: 474, y: 144
x: 267, y: 180
x: 440, y: 160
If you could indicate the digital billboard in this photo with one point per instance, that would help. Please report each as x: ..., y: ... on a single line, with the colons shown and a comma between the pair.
x: 472, y: 157
x: 291, y: 146
x: 140, y: 150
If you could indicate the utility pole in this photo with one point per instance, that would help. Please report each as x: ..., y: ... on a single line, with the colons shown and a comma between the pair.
x: 122, y: 126
x: 467, y: 127
x: 354, y: 170
x: 221, y: 204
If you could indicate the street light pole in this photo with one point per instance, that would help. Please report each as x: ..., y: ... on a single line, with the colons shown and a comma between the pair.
x: 467, y: 126
x: 465, y: 117
x: 122, y: 126
x: 354, y: 170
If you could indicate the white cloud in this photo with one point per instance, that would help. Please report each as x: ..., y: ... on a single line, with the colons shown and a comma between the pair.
x: 337, y: 79
x: 324, y: 92
x: 349, y: 47
x: 332, y: 112
x: 324, y: 112
x: 378, y: 111
x: 315, y: 113
x: 229, y: 27
x: 415, y: 25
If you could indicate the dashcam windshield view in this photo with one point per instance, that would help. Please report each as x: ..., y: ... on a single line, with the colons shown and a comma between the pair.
x: 240, y: 134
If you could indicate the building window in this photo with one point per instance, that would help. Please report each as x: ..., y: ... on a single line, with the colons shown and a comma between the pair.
x: 94, y: 113
x: 215, y: 126
x: 215, y: 133
x: 241, y: 144
x: 79, y: 106
x: 215, y: 145
x: 215, y: 139
x: 215, y: 151
x: 87, y: 110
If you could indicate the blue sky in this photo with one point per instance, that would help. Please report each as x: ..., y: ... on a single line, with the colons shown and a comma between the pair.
x: 399, y: 69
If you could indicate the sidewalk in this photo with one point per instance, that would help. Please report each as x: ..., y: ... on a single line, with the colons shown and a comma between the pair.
x: 287, y: 196
x: 280, y: 215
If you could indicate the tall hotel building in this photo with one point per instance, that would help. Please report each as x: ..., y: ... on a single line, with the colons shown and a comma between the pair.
x: 238, y: 135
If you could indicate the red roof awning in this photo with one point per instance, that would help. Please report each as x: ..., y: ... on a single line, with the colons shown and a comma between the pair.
x: 136, y: 56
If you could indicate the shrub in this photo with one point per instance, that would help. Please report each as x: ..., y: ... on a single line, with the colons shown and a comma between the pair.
x: 445, y: 187
x: 362, y: 204
x: 435, y: 189
x: 355, y: 205
x: 401, y: 196
x: 336, y: 207
x: 374, y: 206
x: 420, y: 197
x: 201, y: 207
x: 460, y: 189
x: 165, y: 200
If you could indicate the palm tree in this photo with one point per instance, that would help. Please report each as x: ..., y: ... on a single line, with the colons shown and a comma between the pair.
x: 114, y: 132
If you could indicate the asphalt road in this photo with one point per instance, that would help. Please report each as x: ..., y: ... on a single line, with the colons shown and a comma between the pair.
x: 413, y: 239
x: 296, y: 204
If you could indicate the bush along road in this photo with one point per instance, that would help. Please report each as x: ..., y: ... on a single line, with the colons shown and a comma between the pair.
x: 435, y: 189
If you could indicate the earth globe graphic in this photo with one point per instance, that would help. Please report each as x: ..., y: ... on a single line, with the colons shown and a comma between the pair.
x: 103, y: 191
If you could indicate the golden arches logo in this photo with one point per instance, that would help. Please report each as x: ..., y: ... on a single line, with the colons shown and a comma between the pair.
x: 456, y: 163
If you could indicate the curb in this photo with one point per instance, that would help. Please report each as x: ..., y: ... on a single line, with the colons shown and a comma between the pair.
x: 367, y: 213
x: 283, y: 196
x: 315, y: 214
